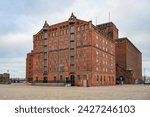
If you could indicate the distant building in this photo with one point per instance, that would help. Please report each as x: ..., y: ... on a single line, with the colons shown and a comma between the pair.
x: 77, y: 51
x: 4, y: 78
x: 29, y: 67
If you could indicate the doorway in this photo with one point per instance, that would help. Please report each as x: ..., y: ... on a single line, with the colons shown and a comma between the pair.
x: 72, y: 80
x: 45, y: 80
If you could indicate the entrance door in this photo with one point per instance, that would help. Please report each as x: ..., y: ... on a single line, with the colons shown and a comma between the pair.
x: 72, y: 80
x: 45, y: 80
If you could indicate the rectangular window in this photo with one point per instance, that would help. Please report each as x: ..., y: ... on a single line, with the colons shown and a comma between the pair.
x: 72, y: 29
x: 72, y: 37
x: 78, y: 29
x: 78, y: 51
x: 45, y: 55
x: 84, y: 67
x: 45, y: 63
x: 61, y: 68
x: 55, y: 54
x: 78, y: 43
x: 72, y: 60
x: 78, y: 59
x: 78, y: 35
x: 45, y: 42
x: 71, y: 52
x: 50, y: 48
x: 71, y: 68
x: 45, y: 35
x: 45, y: 49
x: 84, y: 34
x: 55, y: 69
x: 84, y: 43
x: 84, y: 59
x: 72, y: 45
x: 84, y: 51
x: 55, y: 47
x: 61, y: 39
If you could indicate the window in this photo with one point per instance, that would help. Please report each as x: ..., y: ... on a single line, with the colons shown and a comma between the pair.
x: 84, y: 76
x: 84, y: 34
x: 55, y: 40
x: 55, y: 54
x: 61, y: 32
x: 72, y: 29
x: 78, y: 59
x: 60, y: 60
x: 45, y: 63
x: 84, y: 67
x: 71, y: 68
x: 84, y: 51
x: 61, y: 68
x: 72, y: 60
x: 50, y: 48
x: 72, y: 37
x: 61, y: 39
x: 78, y: 51
x: 45, y: 35
x: 78, y: 35
x: 60, y: 53
x: 84, y: 59
x: 60, y: 47
x: 78, y: 43
x: 78, y: 29
x: 45, y: 55
x: 45, y: 49
x: 55, y: 69
x: 55, y: 47
x: 45, y: 42
x: 82, y: 27
x: 78, y: 77
x: 84, y: 43
x: 66, y: 38
x: 71, y: 52
x: 72, y: 45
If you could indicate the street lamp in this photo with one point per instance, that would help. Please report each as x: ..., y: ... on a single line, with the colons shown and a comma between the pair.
x: 144, y: 74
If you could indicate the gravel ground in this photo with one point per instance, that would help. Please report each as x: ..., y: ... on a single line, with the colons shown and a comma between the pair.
x: 118, y: 92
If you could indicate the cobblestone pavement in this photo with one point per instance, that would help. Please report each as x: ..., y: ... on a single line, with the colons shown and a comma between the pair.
x: 118, y: 92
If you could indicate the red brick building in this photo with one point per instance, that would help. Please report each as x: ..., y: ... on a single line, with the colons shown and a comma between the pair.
x: 29, y: 67
x: 128, y: 62
x: 73, y: 51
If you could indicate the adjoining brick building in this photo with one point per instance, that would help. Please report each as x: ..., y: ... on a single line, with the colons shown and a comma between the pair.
x: 74, y: 51
x: 128, y: 62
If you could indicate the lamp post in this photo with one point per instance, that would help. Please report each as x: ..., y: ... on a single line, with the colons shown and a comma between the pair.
x: 144, y: 74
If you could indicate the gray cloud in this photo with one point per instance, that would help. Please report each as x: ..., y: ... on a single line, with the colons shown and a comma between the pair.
x: 20, y: 19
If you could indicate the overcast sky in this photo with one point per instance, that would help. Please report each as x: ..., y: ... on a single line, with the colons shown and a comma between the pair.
x: 20, y: 19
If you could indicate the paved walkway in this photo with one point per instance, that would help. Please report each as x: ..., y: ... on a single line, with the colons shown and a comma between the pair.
x: 121, y: 92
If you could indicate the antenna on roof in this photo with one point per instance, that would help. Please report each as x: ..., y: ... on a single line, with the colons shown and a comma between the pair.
x: 109, y: 16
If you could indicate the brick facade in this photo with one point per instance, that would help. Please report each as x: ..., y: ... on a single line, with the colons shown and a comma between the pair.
x: 75, y: 51
x: 128, y: 61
